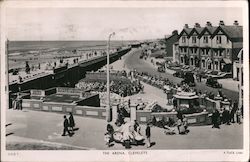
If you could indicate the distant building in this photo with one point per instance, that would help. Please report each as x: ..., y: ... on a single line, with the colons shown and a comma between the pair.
x: 210, y: 48
x: 169, y: 41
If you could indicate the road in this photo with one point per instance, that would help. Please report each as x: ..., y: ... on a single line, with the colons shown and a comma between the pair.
x: 132, y: 61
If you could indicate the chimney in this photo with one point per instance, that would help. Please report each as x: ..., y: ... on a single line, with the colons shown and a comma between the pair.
x: 175, y: 32
x: 209, y: 24
x: 186, y: 26
x: 197, y: 25
x: 236, y: 23
x: 221, y: 23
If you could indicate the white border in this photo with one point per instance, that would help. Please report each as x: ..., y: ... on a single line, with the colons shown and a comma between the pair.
x: 152, y: 155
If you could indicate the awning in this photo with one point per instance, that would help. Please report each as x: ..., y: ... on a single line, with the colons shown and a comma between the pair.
x: 227, y: 61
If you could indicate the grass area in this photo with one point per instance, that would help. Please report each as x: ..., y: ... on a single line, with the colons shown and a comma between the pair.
x: 38, y: 146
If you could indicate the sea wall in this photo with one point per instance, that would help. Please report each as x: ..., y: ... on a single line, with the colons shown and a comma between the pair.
x: 65, y: 76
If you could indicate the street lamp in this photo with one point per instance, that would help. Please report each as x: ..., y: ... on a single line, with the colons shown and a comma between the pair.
x: 108, y: 109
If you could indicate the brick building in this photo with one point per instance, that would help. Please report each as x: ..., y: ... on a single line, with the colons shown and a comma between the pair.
x: 211, y: 47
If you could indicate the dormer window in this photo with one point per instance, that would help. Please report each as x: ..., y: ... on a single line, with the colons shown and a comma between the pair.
x: 218, y: 39
x: 194, y: 39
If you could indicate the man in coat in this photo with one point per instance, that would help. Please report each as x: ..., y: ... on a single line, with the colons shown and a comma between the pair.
x: 148, y: 135
x: 71, y: 122
x: 65, y: 126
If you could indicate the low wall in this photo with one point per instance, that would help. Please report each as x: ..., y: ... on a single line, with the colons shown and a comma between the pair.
x: 209, y: 104
x: 95, y: 112
x: 193, y: 119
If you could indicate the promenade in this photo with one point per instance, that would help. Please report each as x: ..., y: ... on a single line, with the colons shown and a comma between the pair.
x: 43, y: 127
x: 23, y: 125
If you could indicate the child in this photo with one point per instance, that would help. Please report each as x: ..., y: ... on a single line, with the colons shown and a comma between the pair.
x: 107, y: 139
x: 185, y: 123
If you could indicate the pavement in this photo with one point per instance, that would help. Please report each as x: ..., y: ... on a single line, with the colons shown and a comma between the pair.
x: 47, y: 127
x: 230, y: 84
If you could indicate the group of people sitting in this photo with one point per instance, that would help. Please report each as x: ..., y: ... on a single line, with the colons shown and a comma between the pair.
x: 170, y: 124
x: 127, y: 133
x: 122, y: 88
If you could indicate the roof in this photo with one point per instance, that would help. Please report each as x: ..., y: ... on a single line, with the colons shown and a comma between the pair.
x: 186, y: 30
x: 234, y: 33
x: 197, y: 30
x: 210, y: 29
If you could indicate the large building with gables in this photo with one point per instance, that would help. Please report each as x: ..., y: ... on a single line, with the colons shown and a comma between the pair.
x: 211, y: 47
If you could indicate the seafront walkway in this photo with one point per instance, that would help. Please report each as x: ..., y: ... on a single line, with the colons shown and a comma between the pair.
x: 47, y: 68
x: 47, y: 127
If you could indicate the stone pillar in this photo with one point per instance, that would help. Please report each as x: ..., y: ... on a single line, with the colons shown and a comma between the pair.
x: 114, y: 112
x: 133, y: 108
x: 178, y: 104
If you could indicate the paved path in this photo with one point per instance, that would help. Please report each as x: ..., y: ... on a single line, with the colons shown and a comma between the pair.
x: 48, y: 127
x: 132, y: 61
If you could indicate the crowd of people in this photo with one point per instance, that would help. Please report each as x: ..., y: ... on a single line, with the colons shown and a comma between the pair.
x: 120, y: 87
x: 128, y: 133
x: 227, y: 115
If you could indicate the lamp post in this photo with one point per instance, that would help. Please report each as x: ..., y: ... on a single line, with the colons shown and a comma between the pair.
x: 108, y: 109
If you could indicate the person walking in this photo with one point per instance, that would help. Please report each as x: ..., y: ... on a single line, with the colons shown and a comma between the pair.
x: 65, y: 126
x: 185, y: 123
x: 148, y: 135
x: 238, y: 116
x: 215, y: 118
x: 71, y: 122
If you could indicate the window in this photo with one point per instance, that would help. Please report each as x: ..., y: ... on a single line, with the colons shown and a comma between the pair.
x: 205, y: 51
x: 228, y: 41
x: 215, y: 53
x: 194, y: 39
x: 228, y: 52
x: 192, y: 61
x: 216, y: 65
x: 185, y: 50
x: 205, y: 39
x: 183, y: 39
x: 219, y: 53
x: 203, y: 63
x: 195, y: 50
x: 182, y: 60
x: 218, y: 39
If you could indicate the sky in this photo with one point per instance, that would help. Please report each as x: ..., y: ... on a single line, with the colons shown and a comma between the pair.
x: 98, y: 23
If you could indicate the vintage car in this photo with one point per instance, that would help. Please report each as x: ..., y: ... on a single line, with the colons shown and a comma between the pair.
x: 212, y: 82
x: 179, y: 74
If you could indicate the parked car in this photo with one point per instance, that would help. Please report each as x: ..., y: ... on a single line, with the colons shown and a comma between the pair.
x: 213, y: 82
x: 179, y: 74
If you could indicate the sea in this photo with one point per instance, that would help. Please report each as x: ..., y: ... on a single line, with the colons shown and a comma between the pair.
x: 18, y: 47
